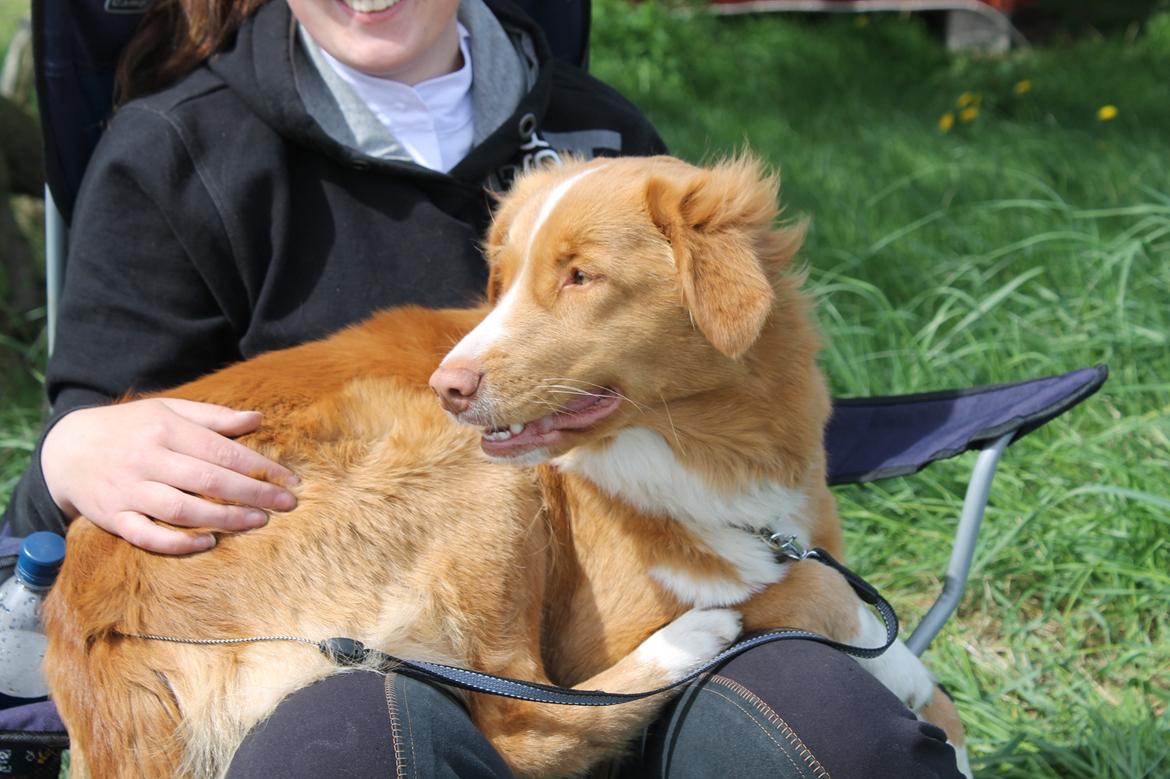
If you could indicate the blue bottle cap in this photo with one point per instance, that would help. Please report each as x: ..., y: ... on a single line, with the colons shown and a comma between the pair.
x: 40, y: 558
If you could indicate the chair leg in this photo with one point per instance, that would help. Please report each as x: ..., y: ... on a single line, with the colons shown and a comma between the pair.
x: 963, y: 550
x: 56, y: 246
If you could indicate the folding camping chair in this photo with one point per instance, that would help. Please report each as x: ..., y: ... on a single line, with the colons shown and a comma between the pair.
x: 76, y: 46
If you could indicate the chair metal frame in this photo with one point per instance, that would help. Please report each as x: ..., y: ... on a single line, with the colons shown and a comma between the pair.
x: 56, y: 251
x: 963, y: 548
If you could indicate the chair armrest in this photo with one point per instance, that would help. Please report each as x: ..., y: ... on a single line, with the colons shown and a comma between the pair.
x: 881, y: 437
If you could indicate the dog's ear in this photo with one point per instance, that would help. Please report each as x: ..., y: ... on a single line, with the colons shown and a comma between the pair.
x: 726, y: 251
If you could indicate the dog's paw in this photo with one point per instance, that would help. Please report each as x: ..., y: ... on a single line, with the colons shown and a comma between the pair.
x: 691, y: 640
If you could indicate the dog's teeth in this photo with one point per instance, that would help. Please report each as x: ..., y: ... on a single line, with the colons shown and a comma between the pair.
x: 503, y: 433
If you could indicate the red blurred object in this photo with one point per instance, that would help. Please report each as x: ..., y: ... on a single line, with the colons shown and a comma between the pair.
x: 1007, y: 6
x: 969, y: 24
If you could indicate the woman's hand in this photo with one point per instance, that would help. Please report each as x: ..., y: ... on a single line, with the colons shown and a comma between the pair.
x: 126, y: 465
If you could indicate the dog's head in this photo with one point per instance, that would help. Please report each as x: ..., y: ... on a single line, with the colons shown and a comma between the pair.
x: 619, y: 286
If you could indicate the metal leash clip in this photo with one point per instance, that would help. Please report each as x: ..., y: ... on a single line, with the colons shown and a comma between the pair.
x: 788, y: 547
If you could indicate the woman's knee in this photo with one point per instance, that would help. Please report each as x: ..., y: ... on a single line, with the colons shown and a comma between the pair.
x: 796, y: 709
x: 364, y: 724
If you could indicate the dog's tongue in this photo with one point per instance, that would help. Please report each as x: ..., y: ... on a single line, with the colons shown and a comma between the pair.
x: 577, y: 414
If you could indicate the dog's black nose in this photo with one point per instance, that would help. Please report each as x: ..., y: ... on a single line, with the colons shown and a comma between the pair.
x: 455, y: 386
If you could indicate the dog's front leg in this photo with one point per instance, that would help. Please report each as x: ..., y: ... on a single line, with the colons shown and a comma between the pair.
x: 543, y: 740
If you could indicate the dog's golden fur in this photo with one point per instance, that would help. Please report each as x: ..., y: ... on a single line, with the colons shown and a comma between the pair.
x: 407, y: 537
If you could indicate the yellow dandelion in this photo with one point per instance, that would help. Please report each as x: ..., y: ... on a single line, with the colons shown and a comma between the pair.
x: 946, y: 122
x: 969, y: 113
x: 1107, y: 113
x: 968, y: 99
x: 1022, y: 87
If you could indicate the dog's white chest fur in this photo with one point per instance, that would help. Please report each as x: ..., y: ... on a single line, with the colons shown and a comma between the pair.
x: 640, y: 467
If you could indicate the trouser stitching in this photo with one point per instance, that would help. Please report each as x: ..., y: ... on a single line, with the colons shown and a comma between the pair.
x: 409, y: 727
x: 776, y: 720
x: 400, y: 771
x: 756, y: 722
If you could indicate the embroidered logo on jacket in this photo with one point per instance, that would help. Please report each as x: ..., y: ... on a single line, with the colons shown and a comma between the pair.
x: 537, y: 151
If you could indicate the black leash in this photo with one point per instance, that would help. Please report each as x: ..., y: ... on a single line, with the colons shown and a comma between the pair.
x: 349, y: 652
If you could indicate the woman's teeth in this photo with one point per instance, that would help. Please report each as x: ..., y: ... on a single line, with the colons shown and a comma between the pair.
x: 503, y: 434
x: 370, y: 6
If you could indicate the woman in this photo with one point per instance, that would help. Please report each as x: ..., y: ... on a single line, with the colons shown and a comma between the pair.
x: 335, y: 157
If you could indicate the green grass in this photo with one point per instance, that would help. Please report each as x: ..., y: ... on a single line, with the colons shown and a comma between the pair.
x: 11, y: 13
x: 1031, y: 240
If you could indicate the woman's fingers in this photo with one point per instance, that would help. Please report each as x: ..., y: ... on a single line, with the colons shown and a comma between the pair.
x: 205, y: 439
x: 173, y: 506
x: 201, y: 477
x: 125, y: 465
x: 153, y: 537
x: 221, y: 419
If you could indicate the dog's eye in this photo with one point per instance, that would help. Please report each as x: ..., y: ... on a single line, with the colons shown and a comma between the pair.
x: 576, y: 277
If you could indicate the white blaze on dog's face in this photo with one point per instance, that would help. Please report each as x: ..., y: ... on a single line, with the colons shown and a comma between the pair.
x: 619, y: 285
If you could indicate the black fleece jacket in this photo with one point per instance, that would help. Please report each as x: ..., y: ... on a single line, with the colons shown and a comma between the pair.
x: 217, y: 221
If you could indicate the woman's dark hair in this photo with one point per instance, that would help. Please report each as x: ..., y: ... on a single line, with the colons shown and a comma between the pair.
x: 173, y: 37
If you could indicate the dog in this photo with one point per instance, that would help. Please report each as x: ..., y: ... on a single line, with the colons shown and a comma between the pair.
x: 638, y: 402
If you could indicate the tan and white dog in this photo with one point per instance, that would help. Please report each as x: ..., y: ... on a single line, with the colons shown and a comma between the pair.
x: 646, y: 393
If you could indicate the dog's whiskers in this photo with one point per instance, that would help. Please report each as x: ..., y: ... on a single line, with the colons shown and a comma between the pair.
x: 563, y: 390
x: 570, y: 389
x: 670, y: 421
x: 578, y: 381
x: 553, y: 407
x: 631, y: 401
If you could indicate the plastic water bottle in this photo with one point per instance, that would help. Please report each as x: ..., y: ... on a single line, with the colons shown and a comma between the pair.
x: 22, y: 644
x: 22, y: 648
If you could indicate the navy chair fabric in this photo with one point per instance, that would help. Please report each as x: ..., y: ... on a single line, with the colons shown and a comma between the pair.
x: 566, y: 26
x: 882, y: 437
x: 76, y: 44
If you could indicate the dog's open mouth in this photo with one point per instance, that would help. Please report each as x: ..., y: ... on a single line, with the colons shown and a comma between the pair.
x: 576, y: 415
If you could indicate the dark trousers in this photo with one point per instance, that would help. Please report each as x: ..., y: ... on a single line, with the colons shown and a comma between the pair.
x: 792, y: 709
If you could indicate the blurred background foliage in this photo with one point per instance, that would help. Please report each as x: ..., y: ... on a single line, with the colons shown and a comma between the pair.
x: 21, y: 183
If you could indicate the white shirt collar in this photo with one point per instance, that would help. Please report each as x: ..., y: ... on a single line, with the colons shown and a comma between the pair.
x: 433, y: 120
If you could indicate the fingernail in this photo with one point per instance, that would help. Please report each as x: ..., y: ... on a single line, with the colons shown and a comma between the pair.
x: 292, y: 481
x: 204, y: 542
x: 256, y: 519
x: 285, y: 501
